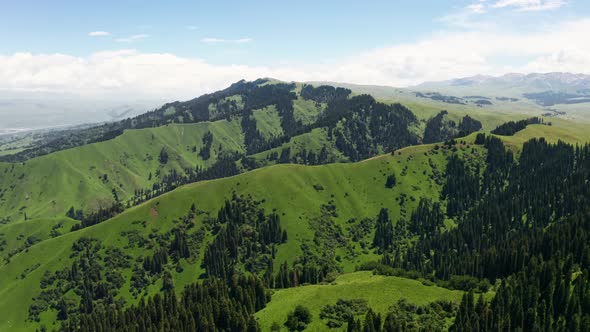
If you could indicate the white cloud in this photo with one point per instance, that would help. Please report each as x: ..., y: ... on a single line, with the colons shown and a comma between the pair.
x: 470, y: 16
x: 132, y: 38
x: 567, y: 60
x: 192, y: 27
x: 99, y: 33
x: 530, y: 5
x: 477, y: 8
x: 131, y: 74
x: 211, y: 40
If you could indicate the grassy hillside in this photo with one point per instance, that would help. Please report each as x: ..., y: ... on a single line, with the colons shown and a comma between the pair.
x: 356, y: 190
x: 380, y: 292
x: 567, y: 131
x: 19, y: 236
x: 268, y: 121
x: 49, y: 185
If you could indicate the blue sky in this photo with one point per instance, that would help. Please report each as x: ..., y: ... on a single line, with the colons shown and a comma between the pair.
x: 301, y: 31
x: 124, y: 47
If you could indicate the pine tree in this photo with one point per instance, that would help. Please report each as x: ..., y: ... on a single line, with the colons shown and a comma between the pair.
x: 383, y: 238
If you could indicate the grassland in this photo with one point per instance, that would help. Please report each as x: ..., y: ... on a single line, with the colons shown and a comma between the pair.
x: 307, y: 111
x: 18, y: 236
x: 268, y: 121
x: 380, y: 292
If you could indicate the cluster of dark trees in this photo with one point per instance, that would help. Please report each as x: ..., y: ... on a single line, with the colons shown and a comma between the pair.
x: 404, y: 317
x: 545, y: 296
x: 462, y: 187
x: 253, y: 139
x: 525, y: 222
x: 95, y: 217
x: 210, y: 305
x: 362, y: 127
x: 303, y: 156
x: 94, y: 275
x: 156, y: 262
x: 76, y: 214
x: 244, y: 235
x: 309, y: 157
x: 439, y: 128
x: 324, y: 93
x: 383, y: 238
x: 163, y: 156
x: 298, y: 275
x: 512, y: 127
x: 468, y: 125
x: 342, y: 311
x: 298, y: 319
x: 544, y: 189
x: 205, y: 151
x: 427, y: 218
x: 391, y: 181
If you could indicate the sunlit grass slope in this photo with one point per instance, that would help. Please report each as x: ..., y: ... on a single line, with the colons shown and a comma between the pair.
x: 48, y: 186
x: 380, y: 292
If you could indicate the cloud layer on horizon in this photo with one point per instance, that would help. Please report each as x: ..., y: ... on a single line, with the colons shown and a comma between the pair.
x: 443, y: 55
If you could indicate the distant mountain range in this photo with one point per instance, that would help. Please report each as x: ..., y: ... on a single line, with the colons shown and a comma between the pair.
x: 535, y: 82
x: 554, y: 90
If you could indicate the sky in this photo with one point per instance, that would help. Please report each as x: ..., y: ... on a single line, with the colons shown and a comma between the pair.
x: 176, y: 50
